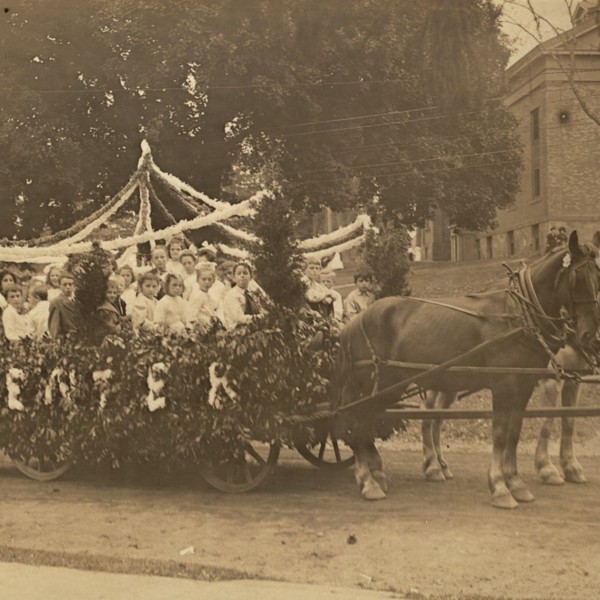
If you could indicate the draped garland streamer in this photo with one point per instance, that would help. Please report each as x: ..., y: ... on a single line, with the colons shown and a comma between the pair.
x: 317, y: 247
x: 70, y: 232
x: 245, y: 208
x: 14, y: 377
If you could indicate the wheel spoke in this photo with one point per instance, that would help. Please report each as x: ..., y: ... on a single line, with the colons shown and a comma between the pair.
x: 336, y: 449
x: 252, y: 452
x: 247, y: 473
x: 322, y: 449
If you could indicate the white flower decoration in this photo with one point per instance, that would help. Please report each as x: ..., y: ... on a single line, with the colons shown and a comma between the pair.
x: 566, y: 263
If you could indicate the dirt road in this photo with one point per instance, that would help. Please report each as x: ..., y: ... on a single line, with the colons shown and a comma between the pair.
x: 431, y: 539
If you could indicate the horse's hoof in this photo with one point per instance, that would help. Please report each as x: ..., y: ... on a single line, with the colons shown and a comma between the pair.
x: 381, y: 479
x: 574, y: 475
x: 447, y: 473
x: 373, y: 492
x: 434, y: 474
x: 522, y: 494
x: 505, y: 501
x: 550, y: 476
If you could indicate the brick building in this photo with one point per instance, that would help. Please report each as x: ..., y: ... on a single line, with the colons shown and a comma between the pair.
x: 561, y: 179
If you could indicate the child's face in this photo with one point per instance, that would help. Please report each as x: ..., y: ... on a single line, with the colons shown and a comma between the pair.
x: 327, y: 280
x: 32, y: 300
x: 67, y: 285
x: 175, y: 249
x: 127, y: 275
x: 363, y: 285
x: 313, y: 272
x: 175, y: 287
x: 159, y: 260
x: 7, y: 281
x: 54, y: 278
x: 112, y: 293
x: 149, y: 288
x: 229, y: 275
x: 242, y: 277
x: 205, y: 280
x: 188, y: 264
x: 14, y: 298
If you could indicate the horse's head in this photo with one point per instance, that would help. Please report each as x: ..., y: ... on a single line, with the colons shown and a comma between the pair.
x: 576, y: 288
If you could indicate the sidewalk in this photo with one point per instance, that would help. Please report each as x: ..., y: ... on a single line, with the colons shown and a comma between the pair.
x: 23, y: 582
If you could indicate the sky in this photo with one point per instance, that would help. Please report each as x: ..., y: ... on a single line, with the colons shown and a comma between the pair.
x: 518, y: 17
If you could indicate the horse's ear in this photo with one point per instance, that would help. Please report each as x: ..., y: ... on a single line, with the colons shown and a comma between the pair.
x: 574, y: 244
x: 596, y: 239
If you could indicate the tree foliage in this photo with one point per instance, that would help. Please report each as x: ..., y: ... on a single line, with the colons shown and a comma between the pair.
x: 335, y: 88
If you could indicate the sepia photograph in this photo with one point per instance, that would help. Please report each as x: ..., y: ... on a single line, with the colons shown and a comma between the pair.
x: 299, y: 299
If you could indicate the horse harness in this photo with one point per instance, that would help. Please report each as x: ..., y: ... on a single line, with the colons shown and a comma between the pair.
x: 550, y: 332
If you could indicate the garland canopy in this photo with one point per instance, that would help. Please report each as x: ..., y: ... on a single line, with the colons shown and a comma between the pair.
x: 201, y: 213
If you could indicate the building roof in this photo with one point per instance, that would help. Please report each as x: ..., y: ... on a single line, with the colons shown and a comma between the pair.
x: 585, y: 9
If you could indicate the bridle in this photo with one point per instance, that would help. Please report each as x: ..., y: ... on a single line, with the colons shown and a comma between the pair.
x: 569, y: 272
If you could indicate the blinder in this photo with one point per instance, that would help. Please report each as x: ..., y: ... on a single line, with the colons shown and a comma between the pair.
x: 586, y: 267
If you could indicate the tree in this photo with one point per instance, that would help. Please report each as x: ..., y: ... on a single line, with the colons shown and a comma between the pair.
x: 333, y: 88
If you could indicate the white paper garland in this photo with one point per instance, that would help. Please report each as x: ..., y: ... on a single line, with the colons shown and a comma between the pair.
x: 155, y: 381
x: 101, y: 379
x: 13, y: 378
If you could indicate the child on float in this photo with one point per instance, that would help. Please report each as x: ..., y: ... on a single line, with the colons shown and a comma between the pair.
x: 142, y: 315
x: 328, y: 281
x: 53, y: 281
x: 240, y: 305
x: 130, y: 292
x: 108, y: 314
x: 159, y: 266
x: 362, y: 296
x: 201, y: 308
x: 222, y: 284
x: 188, y: 262
x: 16, y: 324
x: 172, y: 312
x: 62, y: 314
x: 174, y: 249
x: 317, y: 296
x: 119, y: 303
x: 39, y: 309
x: 7, y: 280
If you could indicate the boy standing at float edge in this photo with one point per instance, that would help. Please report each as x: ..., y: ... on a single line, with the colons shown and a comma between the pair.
x: 62, y: 315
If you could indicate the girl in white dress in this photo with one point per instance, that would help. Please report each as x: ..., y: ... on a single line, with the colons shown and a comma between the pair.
x: 174, y: 249
x: 202, y: 309
x: 171, y: 312
x: 188, y: 262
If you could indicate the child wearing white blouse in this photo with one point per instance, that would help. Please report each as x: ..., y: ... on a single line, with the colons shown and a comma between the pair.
x: 202, y: 309
x: 172, y: 312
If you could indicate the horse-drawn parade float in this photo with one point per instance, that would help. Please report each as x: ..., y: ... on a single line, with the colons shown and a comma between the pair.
x: 226, y: 401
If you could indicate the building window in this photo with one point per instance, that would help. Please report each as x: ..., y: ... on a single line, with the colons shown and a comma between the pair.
x: 490, y: 251
x: 478, y: 248
x: 535, y: 236
x: 510, y: 242
x: 537, y: 183
x: 535, y: 124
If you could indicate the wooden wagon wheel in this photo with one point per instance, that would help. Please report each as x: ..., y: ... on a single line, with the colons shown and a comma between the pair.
x: 327, y: 454
x: 41, y: 469
x: 246, y: 473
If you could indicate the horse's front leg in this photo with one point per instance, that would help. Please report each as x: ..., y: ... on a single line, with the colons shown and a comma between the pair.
x: 431, y: 465
x: 549, y: 474
x: 515, y: 484
x: 572, y: 469
x: 445, y: 400
x: 435, y: 466
x: 497, y: 482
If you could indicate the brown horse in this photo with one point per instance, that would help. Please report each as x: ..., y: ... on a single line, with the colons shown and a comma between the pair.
x: 435, y: 466
x: 410, y: 332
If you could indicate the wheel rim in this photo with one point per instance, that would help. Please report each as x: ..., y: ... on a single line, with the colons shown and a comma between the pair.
x: 244, y: 474
x: 41, y: 469
x: 328, y: 453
